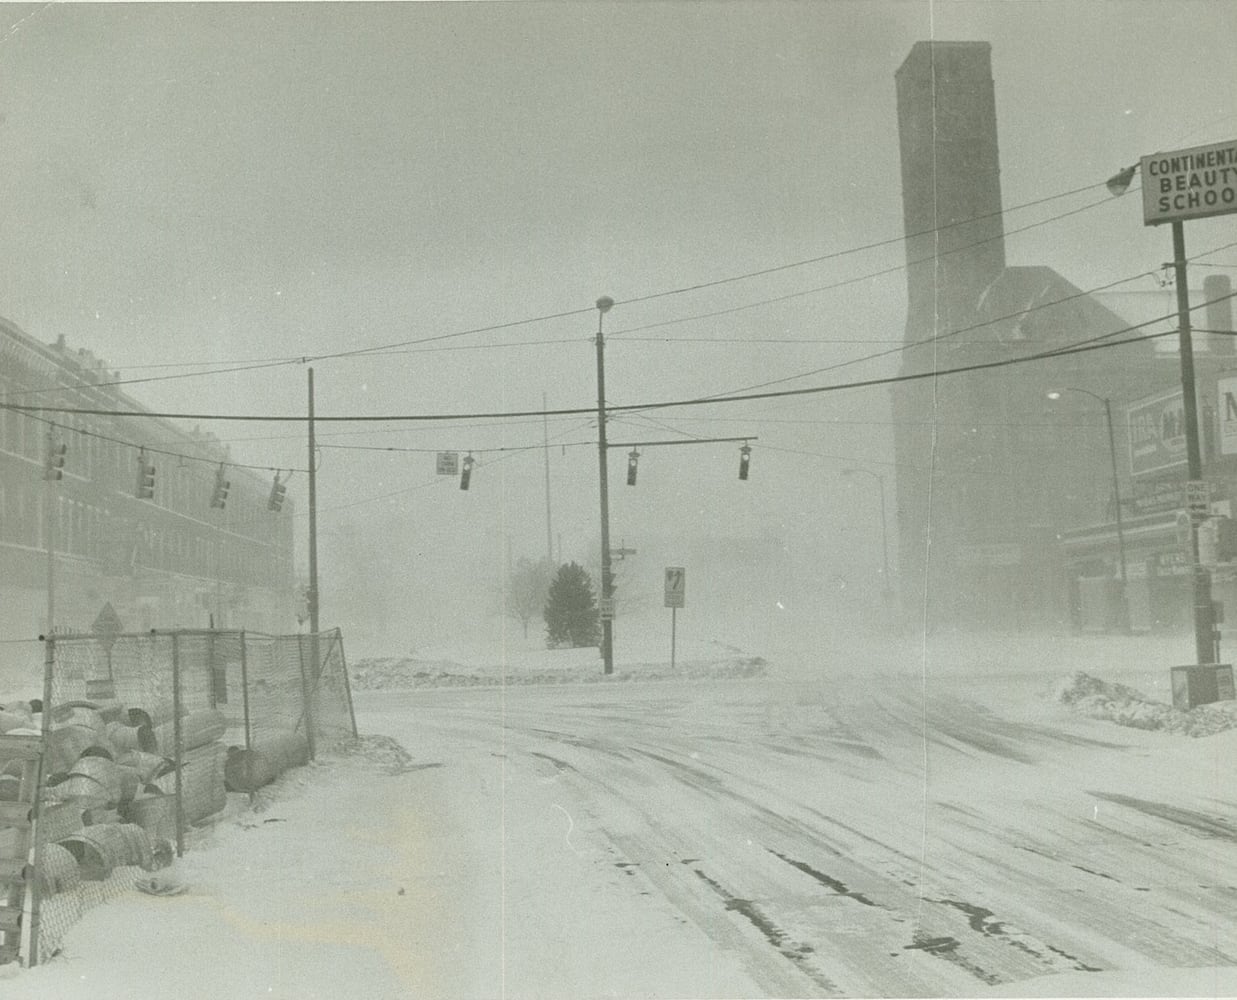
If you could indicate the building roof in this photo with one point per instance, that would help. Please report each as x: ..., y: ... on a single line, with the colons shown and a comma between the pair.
x: 1036, y: 305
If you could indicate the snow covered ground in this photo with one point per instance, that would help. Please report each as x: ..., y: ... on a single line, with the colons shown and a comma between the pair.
x: 812, y: 814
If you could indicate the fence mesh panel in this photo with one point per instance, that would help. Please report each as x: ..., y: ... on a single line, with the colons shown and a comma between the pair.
x: 160, y: 713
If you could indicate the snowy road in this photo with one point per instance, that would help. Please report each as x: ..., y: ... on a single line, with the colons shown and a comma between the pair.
x: 865, y: 836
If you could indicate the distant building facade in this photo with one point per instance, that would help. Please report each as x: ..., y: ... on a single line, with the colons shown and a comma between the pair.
x: 1005, y: 498
x: 169, y: 561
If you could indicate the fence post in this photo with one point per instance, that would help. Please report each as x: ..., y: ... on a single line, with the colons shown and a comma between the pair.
x: 307, y: 711
x: 245, y: 687
x: 178, y: 737
x: 210, y: 669
x: 343, y: 667
x: 34, y: 894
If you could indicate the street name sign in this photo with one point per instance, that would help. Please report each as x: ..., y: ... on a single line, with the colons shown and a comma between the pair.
x: 676, y: 586
x: 1190, y: 183
x: 448, y: 463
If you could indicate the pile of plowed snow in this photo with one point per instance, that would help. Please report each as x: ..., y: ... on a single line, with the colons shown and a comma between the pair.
x: 1126, y: 706
x: 373, y: 674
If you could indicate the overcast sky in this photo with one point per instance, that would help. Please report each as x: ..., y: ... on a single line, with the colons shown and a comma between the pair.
x: 195, y: 186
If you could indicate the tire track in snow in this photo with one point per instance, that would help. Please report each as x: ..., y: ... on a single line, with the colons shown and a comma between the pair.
x: 796, y: 951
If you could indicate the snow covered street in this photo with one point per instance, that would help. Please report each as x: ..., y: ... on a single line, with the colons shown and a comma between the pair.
x: 862, y: 830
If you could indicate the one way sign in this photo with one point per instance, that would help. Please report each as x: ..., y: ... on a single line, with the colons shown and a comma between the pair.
x: 676, y: 586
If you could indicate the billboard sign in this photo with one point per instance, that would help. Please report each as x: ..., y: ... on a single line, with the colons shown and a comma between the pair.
x: 1226, y: 399
x: 1157, y: 434
x: 1190, y: 183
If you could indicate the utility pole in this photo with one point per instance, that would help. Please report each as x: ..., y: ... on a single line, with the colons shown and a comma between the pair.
x: 1204, y: 611
x: 1176, y: 188
x: 604, y: 305
x: 51, y: 516
x: 312, y: 596
x: 545, y: 437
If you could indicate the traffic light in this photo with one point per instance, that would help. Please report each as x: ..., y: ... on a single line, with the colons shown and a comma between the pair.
x: 278, y: 489
x: 745, y: 459
x: 55, y: 460
x: 145, y: 489
x: 632, y: 458
x: 466, y: 475
x: 219, y: 498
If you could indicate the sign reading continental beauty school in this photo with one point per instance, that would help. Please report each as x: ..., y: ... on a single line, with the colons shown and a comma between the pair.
x: 1190, y: 183
x: 1157, y: 434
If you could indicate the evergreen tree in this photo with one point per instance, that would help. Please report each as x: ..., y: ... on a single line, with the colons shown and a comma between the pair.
x: 571, y: 616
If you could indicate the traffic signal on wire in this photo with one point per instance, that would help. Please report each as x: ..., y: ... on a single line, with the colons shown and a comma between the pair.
x: 145, y: 489
x: 466, y: 474
x: 632, y: 458
x: 745, y: 459
x: 278, y: 489
x: 219, y: 498
x: 56, y: 452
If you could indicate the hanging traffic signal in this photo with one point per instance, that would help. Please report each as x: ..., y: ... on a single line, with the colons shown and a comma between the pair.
x: 745, y: 459
x: 219, y: 498
x: 466, y: 474
x: 54, y: 469
x: 632, y: 458
x: 145, y: 489
x: 275, y: 500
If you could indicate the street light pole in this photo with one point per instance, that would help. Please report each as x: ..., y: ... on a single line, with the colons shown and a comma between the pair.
x: 604, y: 304
x: 1124, y: 609
x: 886, y: 586
x: 1116, y: 500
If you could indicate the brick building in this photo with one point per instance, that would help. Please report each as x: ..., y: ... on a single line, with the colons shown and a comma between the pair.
x: 172, y: 560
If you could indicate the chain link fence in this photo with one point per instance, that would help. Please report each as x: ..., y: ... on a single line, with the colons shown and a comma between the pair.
x: 145, y: 736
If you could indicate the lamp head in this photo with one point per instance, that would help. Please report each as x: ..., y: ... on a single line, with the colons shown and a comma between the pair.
x: 605, y: 304
x: 1119, y: 182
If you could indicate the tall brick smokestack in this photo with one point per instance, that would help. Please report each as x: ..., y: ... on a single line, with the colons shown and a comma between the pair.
x: 950, y: 174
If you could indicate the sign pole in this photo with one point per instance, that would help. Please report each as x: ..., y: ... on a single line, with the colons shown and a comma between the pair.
x: 1204, y: 629
x: 676, y: 597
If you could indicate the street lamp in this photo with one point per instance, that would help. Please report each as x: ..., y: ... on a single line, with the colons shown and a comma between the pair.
x: 1124, y: 607
x: 886, y: 588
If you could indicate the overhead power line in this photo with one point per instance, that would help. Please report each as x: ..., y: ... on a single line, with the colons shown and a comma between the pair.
x: 893, y: 269
x: 259, y: 364
x: 937, y: 338
x: 867, y: 246
x: 1100, y: 342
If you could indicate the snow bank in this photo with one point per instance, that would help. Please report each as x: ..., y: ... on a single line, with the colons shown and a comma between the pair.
x: 1126, y: 706
x: 404, y: 672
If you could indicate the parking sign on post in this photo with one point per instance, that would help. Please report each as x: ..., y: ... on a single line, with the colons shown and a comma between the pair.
x: 676, y: 586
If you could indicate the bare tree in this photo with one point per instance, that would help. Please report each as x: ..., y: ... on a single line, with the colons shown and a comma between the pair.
x: 527, y: 590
